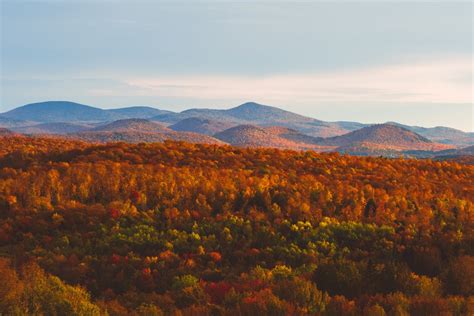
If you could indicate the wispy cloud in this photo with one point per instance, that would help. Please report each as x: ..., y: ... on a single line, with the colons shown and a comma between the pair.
x: 448, y: 80
x: 442, y: 80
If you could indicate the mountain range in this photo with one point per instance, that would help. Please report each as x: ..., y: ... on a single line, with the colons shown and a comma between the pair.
x: 140, y: 130
x: 248, y: 125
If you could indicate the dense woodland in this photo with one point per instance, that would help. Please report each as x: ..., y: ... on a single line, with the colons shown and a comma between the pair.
x: 185, y: 229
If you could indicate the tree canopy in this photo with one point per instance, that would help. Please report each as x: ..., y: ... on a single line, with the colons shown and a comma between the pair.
x: 187, y: 229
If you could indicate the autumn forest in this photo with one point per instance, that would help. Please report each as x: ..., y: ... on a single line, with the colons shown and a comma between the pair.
x: 176, y: 228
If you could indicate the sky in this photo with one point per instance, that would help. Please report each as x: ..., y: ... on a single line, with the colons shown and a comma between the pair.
x: 370, y: 61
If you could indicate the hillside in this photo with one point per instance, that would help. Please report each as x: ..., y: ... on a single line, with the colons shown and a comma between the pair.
x: 249, y: 136
x: 264, y: 115
x: 176, y: 228
x: 201, y: 125
x: 143, y: 137
x: 141, y: 112
x: 53, y: 128
x: 11, y: 123
x: 292, y: 135
x: 138, y: 125
x: 441, y: 134
x: 275, y: 137
x: 252, y: 113
x: 60, y: 111
x: 65, y: 111
x: 463, y: 155
x: 5, y: 132
x: 119, y: 136
x: 382, y: 137
x: 139, y: 130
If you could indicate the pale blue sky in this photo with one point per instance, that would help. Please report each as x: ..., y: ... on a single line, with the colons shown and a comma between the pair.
x: 362, y: 61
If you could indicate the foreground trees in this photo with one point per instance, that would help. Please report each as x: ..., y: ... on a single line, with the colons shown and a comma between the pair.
x: 33, y: 292
x: 177, y: 228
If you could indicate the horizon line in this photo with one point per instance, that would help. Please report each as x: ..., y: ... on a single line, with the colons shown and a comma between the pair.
x: 232, y: 107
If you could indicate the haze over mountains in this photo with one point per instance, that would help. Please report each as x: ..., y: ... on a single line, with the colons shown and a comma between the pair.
x: 247, y: 125
x: 65, y: 111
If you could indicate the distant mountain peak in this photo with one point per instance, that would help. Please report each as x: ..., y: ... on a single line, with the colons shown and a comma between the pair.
x: 139, y: 111
x: 135, y: 107
x: 251, y: 105
x: 54, y: 105
x: 58, y: 111
x: 66, y: 111
x: 252, y: 111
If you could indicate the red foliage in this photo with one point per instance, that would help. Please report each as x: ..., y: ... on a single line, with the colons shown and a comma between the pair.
x: 249, y: 285
x: 217, y: 291
x: 116, y: 259
x: 47, y: 239
x: 146, y: 272
x: 114, y: 213
x: 253, y: 252
x: 215, y: 256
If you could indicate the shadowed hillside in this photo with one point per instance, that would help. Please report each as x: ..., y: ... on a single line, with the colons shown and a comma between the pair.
x: 202, y: 126
x: 141, y: 125
x: 5, y: 132
x: 140, y: 130
x: 53, y: 128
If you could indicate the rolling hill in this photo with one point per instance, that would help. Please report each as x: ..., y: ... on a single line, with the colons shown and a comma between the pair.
x: 441, y: 134
x: 260, y: 125
x: 143, y: 112
x: 59, y: 111
x: 53, y: 128
x: 201, y: 125
x: 293, y: 135
x: 138, y: 125
x: 65, y: 111
x: 275, y: 137
x: 455, y: 152
x: 252, y: 113
x: 249, y: 136
x: 144, y: 137
x: 5, y: 132
x: 10, y: 123
x: 380, y: 138
x: 140, y: 130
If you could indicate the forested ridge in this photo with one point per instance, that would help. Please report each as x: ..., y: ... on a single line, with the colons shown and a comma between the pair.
x: 191, y: 229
